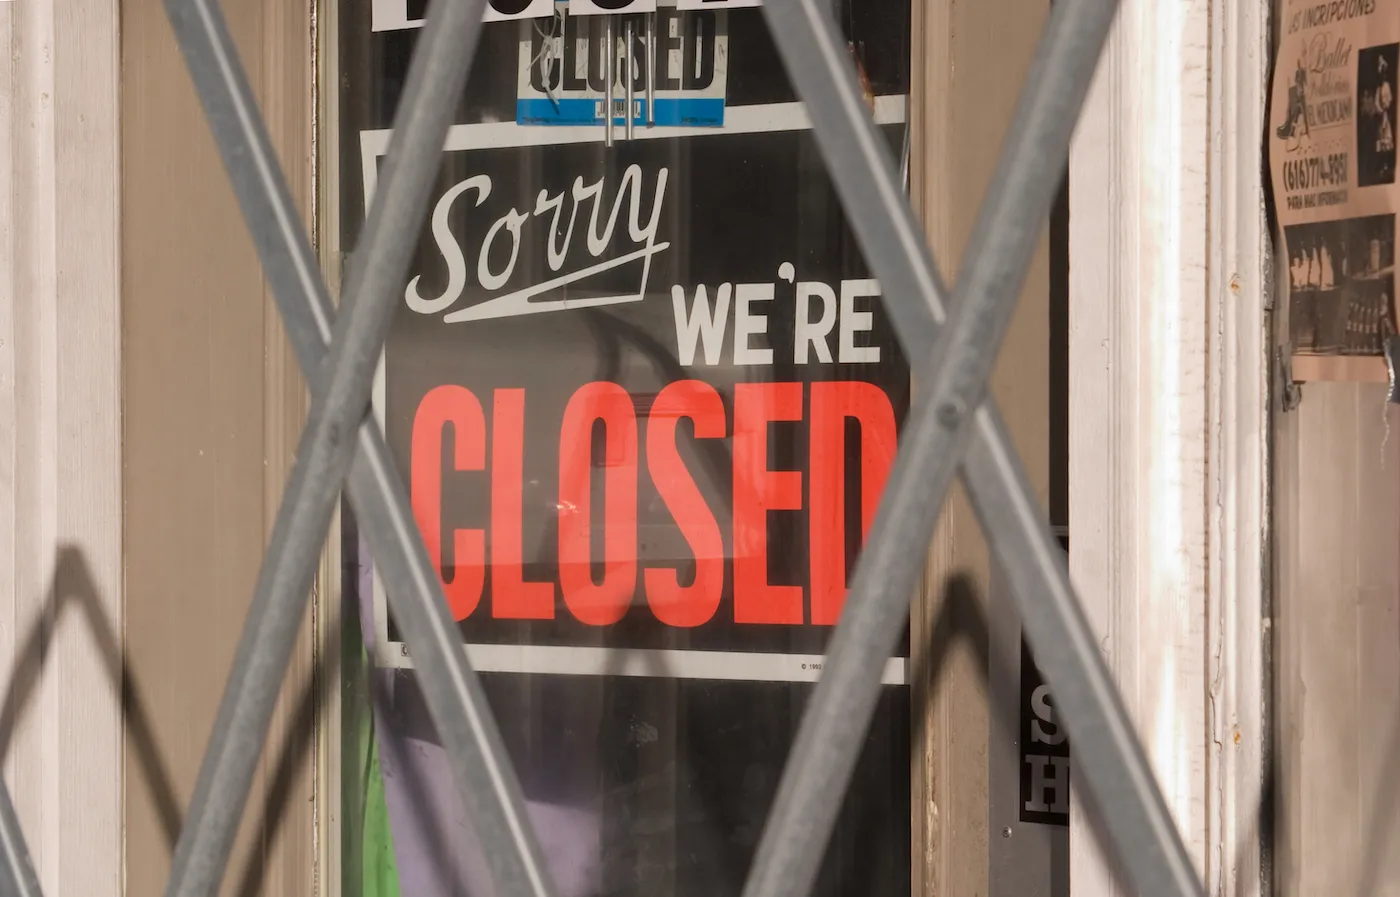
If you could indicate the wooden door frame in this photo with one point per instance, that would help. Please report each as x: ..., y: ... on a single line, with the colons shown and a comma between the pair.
x: 969, y: 65
x: 330, y: 635
x: 1169, y: 413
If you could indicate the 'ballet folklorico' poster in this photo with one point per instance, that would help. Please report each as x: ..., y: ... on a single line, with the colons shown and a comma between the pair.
x: 1332, y: 136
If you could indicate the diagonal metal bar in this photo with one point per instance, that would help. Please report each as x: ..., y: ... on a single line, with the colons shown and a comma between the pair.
x: 17, y: 876
x: 829, y: 740
x: 339, y: 402
x: 453, y: 692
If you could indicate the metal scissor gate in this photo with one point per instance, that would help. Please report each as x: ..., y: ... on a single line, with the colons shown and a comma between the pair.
x: 953, y: 423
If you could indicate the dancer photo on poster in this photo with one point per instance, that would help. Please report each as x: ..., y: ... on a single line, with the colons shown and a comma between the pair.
x: 1342, y: 279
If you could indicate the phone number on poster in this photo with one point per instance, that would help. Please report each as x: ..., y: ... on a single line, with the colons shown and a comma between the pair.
x: 1317, y: 171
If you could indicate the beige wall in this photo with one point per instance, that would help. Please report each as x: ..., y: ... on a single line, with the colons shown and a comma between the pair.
x: 1337, y: 642
x: 213, y: 403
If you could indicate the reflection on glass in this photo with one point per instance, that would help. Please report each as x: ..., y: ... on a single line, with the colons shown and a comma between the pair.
x: 645, y: 398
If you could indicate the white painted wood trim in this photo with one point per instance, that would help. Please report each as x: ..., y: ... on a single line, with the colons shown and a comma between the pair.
x: 1239, y: 395
x: 61, y: 437
x: 1168, y: 412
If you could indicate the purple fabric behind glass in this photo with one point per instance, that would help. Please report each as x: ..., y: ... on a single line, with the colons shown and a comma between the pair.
x: 436, y: 850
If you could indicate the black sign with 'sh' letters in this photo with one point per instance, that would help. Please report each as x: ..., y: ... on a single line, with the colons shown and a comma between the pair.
x: 1044, y: 744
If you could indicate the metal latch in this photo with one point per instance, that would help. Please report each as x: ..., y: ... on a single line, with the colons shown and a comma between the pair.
x: 1392, y: 358
x: 1290, y: 391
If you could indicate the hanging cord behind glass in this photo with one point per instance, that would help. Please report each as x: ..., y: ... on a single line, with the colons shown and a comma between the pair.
x: 546, y: 54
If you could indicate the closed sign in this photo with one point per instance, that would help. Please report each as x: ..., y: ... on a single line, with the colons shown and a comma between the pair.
x: 563, y: 72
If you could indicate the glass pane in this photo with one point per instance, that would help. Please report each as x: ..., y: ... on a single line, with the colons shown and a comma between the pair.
x: 645, y: 397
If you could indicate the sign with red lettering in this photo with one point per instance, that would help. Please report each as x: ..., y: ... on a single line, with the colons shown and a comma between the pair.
x: 621, y: 434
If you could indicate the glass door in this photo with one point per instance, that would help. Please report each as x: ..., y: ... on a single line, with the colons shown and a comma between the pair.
x: 645, y: 396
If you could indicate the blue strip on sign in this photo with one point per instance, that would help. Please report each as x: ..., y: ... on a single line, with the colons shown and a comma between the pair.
x: 690, y: 112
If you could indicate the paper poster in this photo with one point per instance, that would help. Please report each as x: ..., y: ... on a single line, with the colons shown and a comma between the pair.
x: 1332, y: 136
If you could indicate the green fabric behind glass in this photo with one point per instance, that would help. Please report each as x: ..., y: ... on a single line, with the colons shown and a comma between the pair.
x: 381, y: 874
